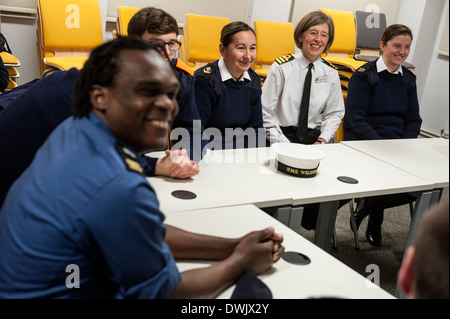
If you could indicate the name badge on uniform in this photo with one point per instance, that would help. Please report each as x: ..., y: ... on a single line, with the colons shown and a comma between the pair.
x: 322, y: 79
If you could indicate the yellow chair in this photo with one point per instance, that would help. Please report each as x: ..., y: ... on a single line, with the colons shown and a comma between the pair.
x: 183, y: 48
x: 202, y: 36
x: 124, y: 15
x: 339, y: 136
x: 341, y: 52
x: 273, y: 39
x: 182, y: 52
x: 11, y: 63
x: 68, y: 30
x: 9, y: 59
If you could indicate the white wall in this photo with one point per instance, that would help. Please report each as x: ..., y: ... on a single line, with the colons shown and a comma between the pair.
x: 426, y: 18
x: 269, y: 10
x: 20, y: 32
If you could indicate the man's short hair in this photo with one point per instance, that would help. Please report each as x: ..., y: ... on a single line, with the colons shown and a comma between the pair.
x: 152, y: 20
x: 101, y: 68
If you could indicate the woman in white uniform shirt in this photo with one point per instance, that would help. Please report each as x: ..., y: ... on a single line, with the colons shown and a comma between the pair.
x: 282, y: 90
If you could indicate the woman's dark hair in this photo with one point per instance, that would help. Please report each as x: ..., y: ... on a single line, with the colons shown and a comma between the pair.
x: 394, y: 30
x: 312, y: 19
x: 101, y: 68
x: 231, y: 29
x: 152, y: 20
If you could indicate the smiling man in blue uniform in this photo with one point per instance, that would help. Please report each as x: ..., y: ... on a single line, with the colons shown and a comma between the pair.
x: 83, y: 222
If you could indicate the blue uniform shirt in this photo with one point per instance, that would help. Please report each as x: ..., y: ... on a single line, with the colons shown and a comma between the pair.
x: 83, y: 211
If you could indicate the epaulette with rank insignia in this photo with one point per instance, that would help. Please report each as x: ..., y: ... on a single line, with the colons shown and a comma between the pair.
x: 329, y: 64
x: 285, y: 58
x: 365, y: 67
x: 206, y: 71
x: 129, y: 158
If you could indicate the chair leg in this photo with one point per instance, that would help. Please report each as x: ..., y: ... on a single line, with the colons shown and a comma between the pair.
x: 411, y: 209
x: 352, y: 220
x: 334, y: 246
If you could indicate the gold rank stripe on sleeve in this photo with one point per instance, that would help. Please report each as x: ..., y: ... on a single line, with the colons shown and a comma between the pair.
x: 134, y: 166
x: 284, y: 58
x: 129, y: 159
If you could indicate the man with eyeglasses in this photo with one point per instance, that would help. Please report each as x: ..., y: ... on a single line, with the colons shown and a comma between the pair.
x: 156, y: 25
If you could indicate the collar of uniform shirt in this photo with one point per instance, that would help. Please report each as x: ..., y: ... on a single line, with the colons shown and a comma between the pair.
x: 303, y: 62
x: 381, y: 66
x: 225, y: 74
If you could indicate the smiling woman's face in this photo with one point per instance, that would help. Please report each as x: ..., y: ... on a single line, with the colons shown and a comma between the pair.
x: 314, y: 41
x: 396, y: 51
x: 240, y: 53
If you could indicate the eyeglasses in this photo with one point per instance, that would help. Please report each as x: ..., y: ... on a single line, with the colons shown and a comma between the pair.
x: 174, y: 45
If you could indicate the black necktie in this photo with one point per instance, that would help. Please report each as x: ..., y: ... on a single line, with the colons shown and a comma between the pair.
x: 304, y: 107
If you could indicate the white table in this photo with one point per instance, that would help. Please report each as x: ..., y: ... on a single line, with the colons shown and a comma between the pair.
x: 325, y: 276
x: 374, y: 176
x: 427, y: 158
x: 247, y: 176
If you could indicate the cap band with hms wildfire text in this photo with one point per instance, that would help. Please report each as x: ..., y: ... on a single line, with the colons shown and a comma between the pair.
x: 297, y: 172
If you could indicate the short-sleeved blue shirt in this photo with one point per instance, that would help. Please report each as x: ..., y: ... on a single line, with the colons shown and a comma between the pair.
x: 83, y: 211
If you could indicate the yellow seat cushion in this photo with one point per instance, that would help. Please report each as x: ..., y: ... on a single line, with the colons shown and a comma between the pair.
x: 9, y: 59
x: 13, y: 72
x: 262, y: 72
x: 66, y: 63
x: 348, y: 62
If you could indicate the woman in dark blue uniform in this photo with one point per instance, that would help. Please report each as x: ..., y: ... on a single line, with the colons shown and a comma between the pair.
x: 228, y: 92
x: 382, y: 104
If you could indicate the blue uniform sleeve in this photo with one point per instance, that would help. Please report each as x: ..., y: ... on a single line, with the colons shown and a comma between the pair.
x: 413, y: 121
x: 188, y: 119
x: 126, y: 226
x: 359, y: 93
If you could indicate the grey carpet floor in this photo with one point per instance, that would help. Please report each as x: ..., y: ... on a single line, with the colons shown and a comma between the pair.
x: 388, y: 257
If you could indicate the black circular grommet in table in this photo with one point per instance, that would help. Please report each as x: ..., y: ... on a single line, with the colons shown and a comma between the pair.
x: 184, y: 194
x: 348, y: 180
x: 296, y: 258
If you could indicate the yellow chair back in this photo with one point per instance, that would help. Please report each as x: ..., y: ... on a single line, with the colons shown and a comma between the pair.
x: 203, y: 38
x: 343, y: 48
x: 124, y: 15
x: 67, y: 31
x: 273, y: 39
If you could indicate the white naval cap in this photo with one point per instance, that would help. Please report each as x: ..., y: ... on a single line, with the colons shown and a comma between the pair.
x: 297, y: 159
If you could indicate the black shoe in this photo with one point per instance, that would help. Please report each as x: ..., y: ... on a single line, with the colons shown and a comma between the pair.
x: 359, y: 217
x: 373, y: 233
